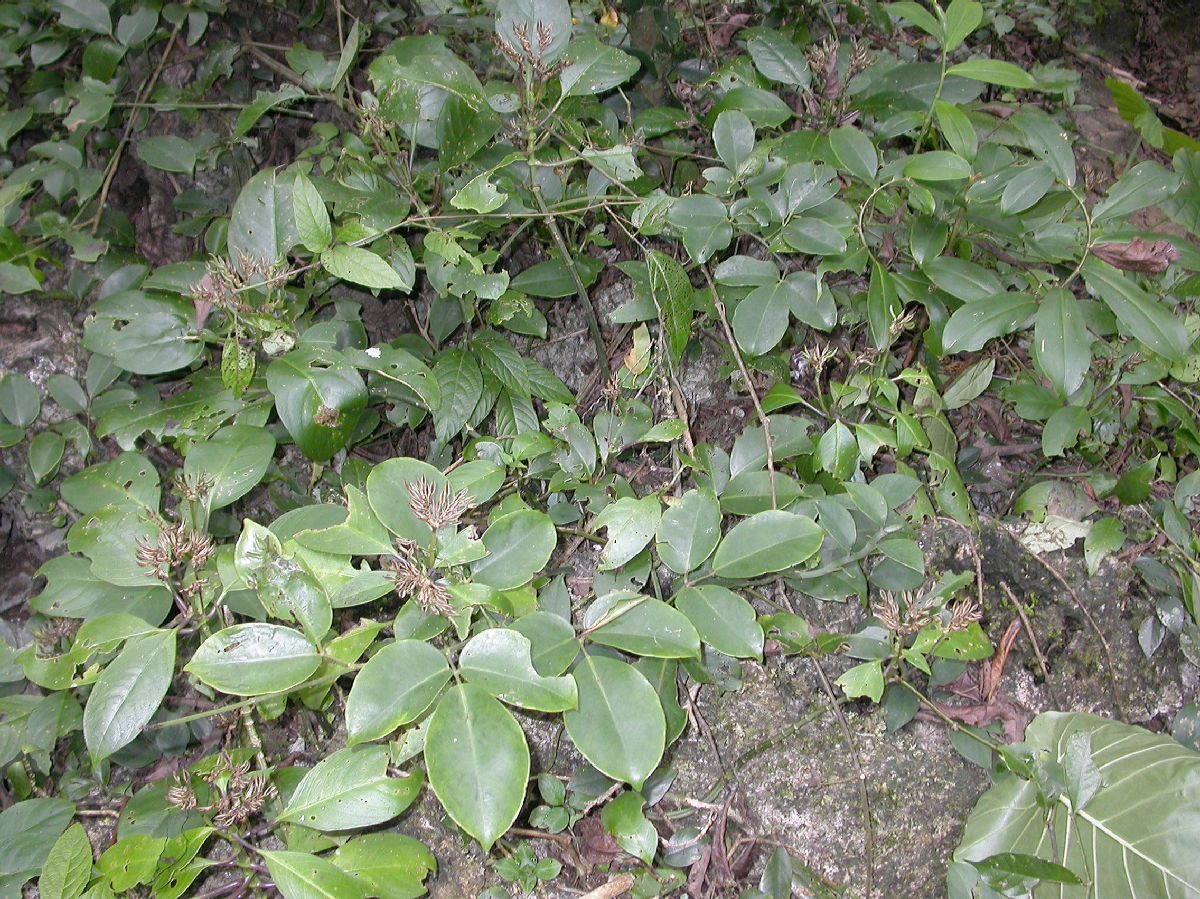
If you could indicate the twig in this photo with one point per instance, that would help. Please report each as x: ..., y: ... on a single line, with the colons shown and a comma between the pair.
x: 569, y: 261
x: 737, y: 356
x: 1037, y: 650
x: 601, y: 799
x: 616, y: 887
x: 868, y: 824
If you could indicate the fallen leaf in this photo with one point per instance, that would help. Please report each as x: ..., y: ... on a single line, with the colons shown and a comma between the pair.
x: 1138, y: 256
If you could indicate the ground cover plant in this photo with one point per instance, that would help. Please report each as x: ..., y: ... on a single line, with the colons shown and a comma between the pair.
x: 333, y: 534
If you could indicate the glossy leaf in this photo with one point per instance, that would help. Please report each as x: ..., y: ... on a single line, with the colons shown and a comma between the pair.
x: 232, y: 461
x: 519, y: 545
x: 128, y: 693
x: 301, y: 875
x: 388, y: 865
x: 767, y: 542
x: 500, y: 661
x: 319, y: 397
x: 254, y: 659
x: 724, y: 620
x: 394, y: 688
x: 688, y: 531
x: 351, y: 789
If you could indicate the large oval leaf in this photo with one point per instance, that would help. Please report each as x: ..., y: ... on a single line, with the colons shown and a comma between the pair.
x: 478, y: 762
x: 500, y: 661
x: 144, y: 334
x: 231, y: 462
x: 619, y: 726
x: 769, y: 541
x: 128, y: 693
x: 724, y: 620
x: 1061, y: 345
x: 689, y: 531
x: 319, y: 397
x: 262, y: 226
x: 351, y: 789
x: 300, y: 875
x: 394, y: 688
x: 254, y: 659
x: 1137, y: 812
x: 519, y: 545
x: 388, y: 492
x: 974, y: 324
x: 389, y: 865
x: 642, y: 625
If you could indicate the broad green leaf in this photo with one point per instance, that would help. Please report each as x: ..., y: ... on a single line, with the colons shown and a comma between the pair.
x: 262, y: 226
x: 68, y: 867
x: 461, y: 384
x: 394, y: 688
x: 631, y: 524
x: 837, y: 451
x: 972, y: 325
x: 813, y: 237
x: 128, y: 693
x: 388, y: 487
x: 1026, y: 189
x: 552, y: 640
x: 361, y: 534
x: 1061, y: 345
x: 1047, y: 140
x: 777, y: 58
x: 593, y: 68
x: 519, y: 546
x: 1138, y: 312
x: 361, y: 266
x: 401, y: 367
x: 232, y: 461
x: 500, y: 358
x: 552, y: 278
x: 761, y: 318
x: 301, y: 875
x: 963, y: 280
x: 642, y: 625
x: 962, y: 18
x: 532, y: 18
x: 479, y: 195
x: 956, y: 127
x: 733, y: 138
x: 264, y: 102
x: 724, y: 620
x: 918, y: 15
x: 671, y: 291
x: 168, y: 153
x: 312, y: 218
x: 1143, y: 185
x: 619, y: 726
x: 255, y: 659
x: 500, y: 661
x: 147, y: 335
x: 387, y: 865
x: 45, y: 453
x: 865, y: 679
x: 478, y: 762
x: 625, y: 822
x: 937, y: 165
x: 688, y: 531
x: 20, y: 401
x: 351, y: 789
x: 109, y: 537
x: 704, y: 225
x: 74, y: 591
x: 767, y: 542
x: 883, y: 306
x: 319, y: 398
x: 994, y: 71
x: 86, y: 15
x: 855, y: 153
x: 973, y: 381
x: 28, y: 832
x: 1119, y: 845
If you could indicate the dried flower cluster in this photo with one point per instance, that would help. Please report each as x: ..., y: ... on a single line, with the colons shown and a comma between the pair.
x: 51, y: 637
x: 437, y: 508
x: 176, y: 546
x: 240, y: 794
x: 412, y: 580
x: 526, y: 55
x: 919, y: 612
x: 828, y: 100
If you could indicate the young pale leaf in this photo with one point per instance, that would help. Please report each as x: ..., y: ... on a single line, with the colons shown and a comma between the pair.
x: 128, y: 693
x: 479, y: 195
x: 68, y: 867
x: 500, y: 661
x: 724, y: 620
x: 351, y: 789
x: 625, y: 822
x: 593, y: 68
x: 994, y: 71
x: 388, y: 865
x: 478, y: 762
x: 863, y: 680
x: 312, y: 219
x: 394, y: 688
x: 688, y: 531
x: 767, y: 542
x: 301, y: 875
x: 619, y: 726
x: 255, y: 659
x: 630, y: 523
x: 361, y: 267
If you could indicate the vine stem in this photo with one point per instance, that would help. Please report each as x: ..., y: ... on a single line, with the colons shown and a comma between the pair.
x: 1087, y: 243
x: 580, y: 291
x: 737, y: 356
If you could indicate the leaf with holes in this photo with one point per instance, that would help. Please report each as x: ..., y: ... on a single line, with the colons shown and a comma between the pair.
x: 349, y: 790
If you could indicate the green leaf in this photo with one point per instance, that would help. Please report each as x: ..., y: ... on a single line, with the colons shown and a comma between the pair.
x: 255, y: 659
x: 973, y: 381
x: 1026, y: 189
x: 767, y: 542
x: 128, y: 693
x: 351, y: 789
x: 919, y: 16
x: 1139, y: 313
x: 232, y: 461
x: 45, y: 453
x: 624, y: 821
x: 671, y: 291
x: 688, y: 531
x: 402, y: 367
x: 552, y: 279
x: 300, y: 875
x: 777, y: 58
x: 837, y: 451
x: 619, y: 726
x: 631, y: 523
x: 478, y: 762
x: 593, y: 68
x: 733, y: 138
x: 973, y: 324
x: 642, y: 626
x: 150, y: 335
x: 937, y: 165
x: 1061, y: 345
x: 168, y: 153
x: 388, y: 490
x: 994, y: 71
x: 262, y: 226
x: 962, y: 18
x: 500, y: 661
x: 855, y: 153
x: 361, y: 534
x: 28, y: 832
x: 387, y: 865
x: 1029, y: 867
x: 264, y: 102
x: 956, y: 127
x: 1119, y: 840
x: 312, y: 218
x: 20, y: 401
x: 761, y: 318
x: 963, y: 280
x: 1046, y: 138
x: 68, y: 867
x: 704, y: 225
x: 1143, y: 185
x: 865, y: 679
x: 109, y: 538
x: 813, y: 237
x: 85, y: 15
x: 724, y: 620
x: 394, y: 688
x: 319, y: 398
x: 461, y: 383
x: 361, y: 266
x: 479, y: 195
x: 519, y: 546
